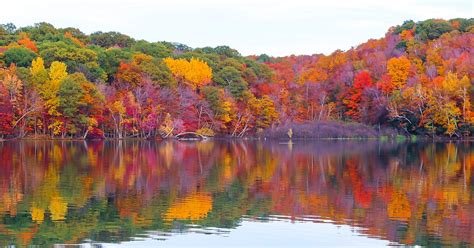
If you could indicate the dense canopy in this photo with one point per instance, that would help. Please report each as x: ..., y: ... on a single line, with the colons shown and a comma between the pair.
x: 58, y: 82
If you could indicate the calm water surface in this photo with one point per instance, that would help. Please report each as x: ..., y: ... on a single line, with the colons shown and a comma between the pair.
x: 236, y: 193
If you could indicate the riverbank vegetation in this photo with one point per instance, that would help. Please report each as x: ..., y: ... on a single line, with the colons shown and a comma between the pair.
x: 60, y: 82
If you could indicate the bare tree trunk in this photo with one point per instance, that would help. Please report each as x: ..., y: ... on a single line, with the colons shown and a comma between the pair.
x: 321, y: 110
x: 85, y: 134
x: 199, y: 119
x: 244, y: 130
x: 236, y: 126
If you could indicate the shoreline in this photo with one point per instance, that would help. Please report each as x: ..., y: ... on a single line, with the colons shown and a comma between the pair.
x: 382, y: 138
x: 306, y: 131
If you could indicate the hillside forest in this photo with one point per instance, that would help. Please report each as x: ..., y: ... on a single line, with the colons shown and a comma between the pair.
x: 63, y: 83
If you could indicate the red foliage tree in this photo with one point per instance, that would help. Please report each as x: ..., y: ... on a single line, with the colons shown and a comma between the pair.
x: 353, y: 102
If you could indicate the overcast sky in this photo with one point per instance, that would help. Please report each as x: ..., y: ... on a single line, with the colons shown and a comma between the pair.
x: 251, y: 26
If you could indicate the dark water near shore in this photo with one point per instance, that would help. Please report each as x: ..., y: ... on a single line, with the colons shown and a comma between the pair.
x: 236, y: 193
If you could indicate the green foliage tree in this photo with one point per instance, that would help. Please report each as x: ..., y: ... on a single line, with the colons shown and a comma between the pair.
x: 156, y: 49
x: 407, y: 25
x: 463, y: 24
x: 232, y: 79
x: 109, y: 60
x: 263, y: 58
x: 77, y: 59
x: 432, y: 29
x: 262, y: 72
x: 7, y: 34
x: 76, y: 33
x: 9, y: 28
x: 110, y: 39
x: 214, y: 97
x: 20, y: 56
x: 70, y: 94
x: 41, y: 32
x: 158, y: 72
x: 227, y: 52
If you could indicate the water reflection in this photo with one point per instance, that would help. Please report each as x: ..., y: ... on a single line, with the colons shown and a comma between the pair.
x: 72, y: 192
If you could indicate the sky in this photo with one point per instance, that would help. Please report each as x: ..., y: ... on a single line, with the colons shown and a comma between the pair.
x: 274, y: 27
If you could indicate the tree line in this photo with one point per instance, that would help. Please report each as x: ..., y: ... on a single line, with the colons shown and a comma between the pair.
x: 60, y: 82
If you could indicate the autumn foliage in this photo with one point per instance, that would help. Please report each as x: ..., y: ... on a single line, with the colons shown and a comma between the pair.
x: 194, y: 72
x: 354, y: 99
x: 64, y: 83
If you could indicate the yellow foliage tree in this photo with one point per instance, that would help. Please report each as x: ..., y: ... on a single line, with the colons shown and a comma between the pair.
x: 264, y: 111
x: 468, y: 115
x: 49, y: 90
x: 199, y: 72
x: 433, y: 57
x: 38, y: 72
x: 449, y: 104
x: 12, y: 84
x: 459, y: 90
x: 226, y: 112
x: 167, y: 126
x: 450, y: 84
x: 57, y: 72
x: 195, y: 72
x: 448, y: 116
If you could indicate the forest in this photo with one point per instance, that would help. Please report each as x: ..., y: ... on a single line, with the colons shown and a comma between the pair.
x: 63, y: 83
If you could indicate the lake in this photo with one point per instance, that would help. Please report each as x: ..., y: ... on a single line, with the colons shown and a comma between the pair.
x: 236, y: 193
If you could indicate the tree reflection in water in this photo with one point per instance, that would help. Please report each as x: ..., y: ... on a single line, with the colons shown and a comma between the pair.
x: 69, y: 192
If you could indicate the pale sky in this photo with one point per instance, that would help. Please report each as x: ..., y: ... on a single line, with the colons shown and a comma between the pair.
x: 273, y: 27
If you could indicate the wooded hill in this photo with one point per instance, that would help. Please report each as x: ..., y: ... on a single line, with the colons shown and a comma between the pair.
x: 64, y: 83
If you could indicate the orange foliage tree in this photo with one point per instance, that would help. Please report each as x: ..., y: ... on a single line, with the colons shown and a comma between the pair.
x: 26, y: 42
x: 398, y: 69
